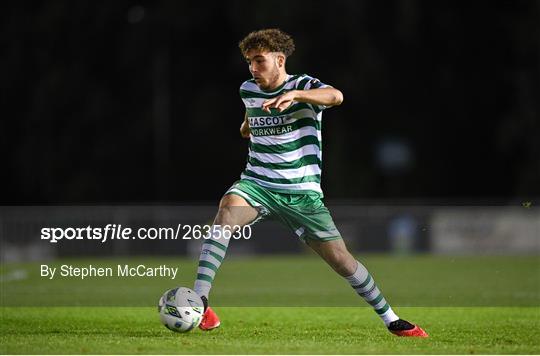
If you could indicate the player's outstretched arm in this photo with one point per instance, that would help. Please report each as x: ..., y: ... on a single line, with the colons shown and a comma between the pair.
x: 244, y: 128
x: 319, y: 96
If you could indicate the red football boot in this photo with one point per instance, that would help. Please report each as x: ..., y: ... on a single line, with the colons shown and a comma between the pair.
x: 210, y: 320
x: 402, y: 327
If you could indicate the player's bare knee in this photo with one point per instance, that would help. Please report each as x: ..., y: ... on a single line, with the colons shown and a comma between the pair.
x: 342, y: 262
x: 224, y: 217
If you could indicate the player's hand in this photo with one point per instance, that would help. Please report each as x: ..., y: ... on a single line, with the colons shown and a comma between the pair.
x: 244, y: 129
x: 281, y: 102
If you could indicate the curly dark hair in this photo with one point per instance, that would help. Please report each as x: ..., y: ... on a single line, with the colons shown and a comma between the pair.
x: 271, y: 39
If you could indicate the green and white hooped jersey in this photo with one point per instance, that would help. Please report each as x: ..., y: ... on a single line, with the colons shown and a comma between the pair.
x: 285, y: 148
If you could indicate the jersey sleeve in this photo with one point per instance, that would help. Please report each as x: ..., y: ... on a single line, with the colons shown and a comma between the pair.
x: 306, y: 82
x: 246, y: 92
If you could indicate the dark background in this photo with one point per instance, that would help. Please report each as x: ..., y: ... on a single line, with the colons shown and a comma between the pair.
x: 137, y: 102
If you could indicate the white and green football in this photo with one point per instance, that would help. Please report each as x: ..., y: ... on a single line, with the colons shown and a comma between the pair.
x: 180, y: 309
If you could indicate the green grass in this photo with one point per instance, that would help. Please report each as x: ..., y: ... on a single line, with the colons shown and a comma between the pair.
x: 303, y: 280
x: 264, y: 330
x: 279, y: 304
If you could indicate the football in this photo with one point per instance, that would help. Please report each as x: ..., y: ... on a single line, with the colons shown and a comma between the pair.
x: 180, y: 309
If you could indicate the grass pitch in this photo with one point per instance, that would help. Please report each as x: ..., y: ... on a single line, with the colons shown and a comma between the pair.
x: 280, y: 305
x: 268, y: 330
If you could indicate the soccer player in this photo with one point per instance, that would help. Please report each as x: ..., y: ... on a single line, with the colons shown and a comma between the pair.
x: 283, y: 173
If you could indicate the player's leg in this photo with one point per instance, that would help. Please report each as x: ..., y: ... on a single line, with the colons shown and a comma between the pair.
x: 335, y: 253
x: 233, y: 211
x: 244, y: 203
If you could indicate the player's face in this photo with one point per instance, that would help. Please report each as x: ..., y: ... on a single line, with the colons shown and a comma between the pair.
x: 265, y: 67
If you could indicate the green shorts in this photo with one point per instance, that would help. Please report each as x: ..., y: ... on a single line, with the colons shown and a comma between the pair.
x: 304, y: 214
